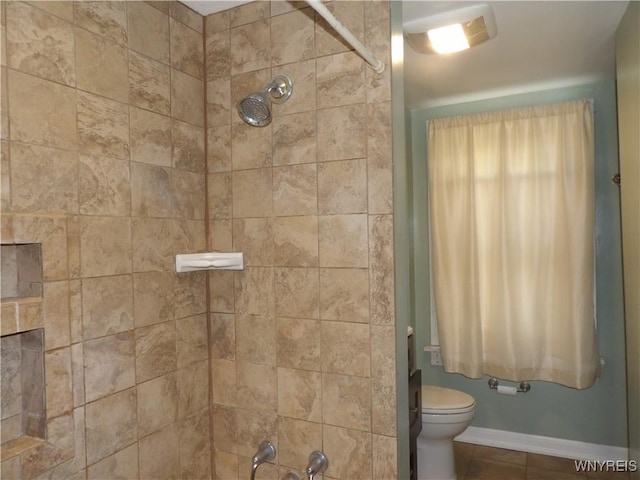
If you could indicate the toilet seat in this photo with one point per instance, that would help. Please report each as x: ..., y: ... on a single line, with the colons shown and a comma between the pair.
x: 445, y: 401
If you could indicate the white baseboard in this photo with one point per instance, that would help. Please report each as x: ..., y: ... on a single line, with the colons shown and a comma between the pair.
x: 555, y: 447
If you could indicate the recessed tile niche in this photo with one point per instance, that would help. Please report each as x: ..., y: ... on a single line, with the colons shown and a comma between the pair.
x: 22, y: 387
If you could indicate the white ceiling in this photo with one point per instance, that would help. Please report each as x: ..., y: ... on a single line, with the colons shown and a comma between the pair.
x: 539, y: 45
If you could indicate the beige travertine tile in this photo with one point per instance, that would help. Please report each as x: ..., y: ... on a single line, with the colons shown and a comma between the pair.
x: 253, y: 237
x: 250, y: 146
x: 295, y: 190
x: 192, y: 341
x: 77, y: 372
x: 188, y: 147
x: 57, y: 449
x: 55, y: 312
x: 224, y: 383
x: 343, y: 241
x: 256, y: 339
x: 104, y: 186
x: 546, y: 462
x: 379, y: 159
x: 111, y: 424
x: 223, y: 336
x: 350, y: 452
x: 189, y: 235
x: 153, y: 247
x: 187, y: 98
x: 159, y: 455
x: 346, y: 348
x: 52, y: 233
x: 5, y: 172
x: 257, y: 387
x: 150, y: 138
x: 225, y: 464
x: 61, y: 9
x: 351, y: 14
x: 297, y: 439
x: 489, y: 469
x: 186, y: 49
x: 155, y: 350
x: 109, y: 365
x: 250, y: 47
x: 382, y: 302
x: 42, y: 112
x: 385, y: 457
x: 217, y: 22
x: 300, y: 394
x: 188, y: 191
x: 245, y: 83
x: 39, y: 44
x: 95, y: 56
x: 59, y: 378
x: 296, y: 292
x: 218, y: 61
x: 108, y: 19
x: 148, y: 31
x: 340, y: 80
x: 107, y: 305
x: 346, y: 401
x: 103, y: 126
x: 220, y: 195
x: 342, y: 187
x: 195, y: 448
x: 153, y: 298
x: 193, y: 388
x: 252, y: 428
x: 342, y: 133
x: 222, y: 291
x: 252, y: 193
x: 42, y: 179
x: 150, y: 191
x: 248, y: 13
x: 73, y: 245
x: 278, y: 8
x: 105, y: 245
x: 219, y: 102
x: 122, y: 465
x: 295, y: 241
x: 190, y: 294
x: 157, y: 404
x: 4, y: 102
x: 149, y: 83
x: 219, y: 149
x: 11, y: 356
x: 344, y: 294
x: 225, y: 435
x: 298, y: 343
x: 187, y: 16
x: 294, y: 138
x: 293, y: 36
x: 383, y: 400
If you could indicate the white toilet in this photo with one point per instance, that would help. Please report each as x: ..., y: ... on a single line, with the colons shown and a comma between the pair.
x: 446, y: 413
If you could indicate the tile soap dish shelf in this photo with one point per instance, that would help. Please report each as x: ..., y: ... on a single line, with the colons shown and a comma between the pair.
x: 193, y: 262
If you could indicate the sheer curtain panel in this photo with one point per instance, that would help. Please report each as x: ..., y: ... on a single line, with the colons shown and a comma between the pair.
x: 511, y: 198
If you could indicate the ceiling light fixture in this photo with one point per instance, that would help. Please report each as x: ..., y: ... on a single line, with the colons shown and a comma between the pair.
x: 451, y: 31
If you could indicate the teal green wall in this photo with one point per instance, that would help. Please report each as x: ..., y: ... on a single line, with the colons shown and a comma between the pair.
x: 594, y: 415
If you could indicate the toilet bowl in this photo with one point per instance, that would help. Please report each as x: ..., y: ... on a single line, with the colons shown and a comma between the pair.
x: 446, y: 413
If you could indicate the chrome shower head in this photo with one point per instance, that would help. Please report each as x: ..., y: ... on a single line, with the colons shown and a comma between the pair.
x: 255, y: 109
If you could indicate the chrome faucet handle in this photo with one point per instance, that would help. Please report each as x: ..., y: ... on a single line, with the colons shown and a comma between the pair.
x: 266, y: 453
x: 318, y: 463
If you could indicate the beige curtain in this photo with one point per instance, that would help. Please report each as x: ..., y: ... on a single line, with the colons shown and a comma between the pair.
x: 512, y: 227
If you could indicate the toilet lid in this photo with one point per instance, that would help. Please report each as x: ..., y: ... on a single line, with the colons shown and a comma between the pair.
x: 445, y: 400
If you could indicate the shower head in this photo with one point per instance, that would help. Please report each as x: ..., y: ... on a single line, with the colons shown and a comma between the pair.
x: 255, y: 109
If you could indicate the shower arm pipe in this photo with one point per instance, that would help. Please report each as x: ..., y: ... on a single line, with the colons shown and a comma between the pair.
x: 324, y: 12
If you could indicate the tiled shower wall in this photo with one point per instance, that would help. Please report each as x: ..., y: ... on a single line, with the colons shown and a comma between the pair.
x: 303, y: 349
x: 103, y: 164
x: 103, y: 115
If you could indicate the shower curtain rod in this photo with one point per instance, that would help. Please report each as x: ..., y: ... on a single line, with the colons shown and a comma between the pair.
x: 374, y: 62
